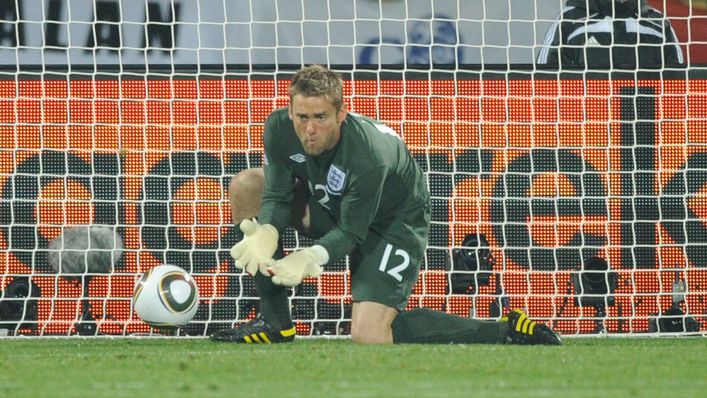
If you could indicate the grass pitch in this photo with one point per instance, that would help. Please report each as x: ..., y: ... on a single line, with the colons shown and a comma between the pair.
x: 154, y: 367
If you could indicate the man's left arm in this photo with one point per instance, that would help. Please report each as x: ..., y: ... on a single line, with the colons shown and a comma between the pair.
x: 359, y: 206
x: 672, y: 52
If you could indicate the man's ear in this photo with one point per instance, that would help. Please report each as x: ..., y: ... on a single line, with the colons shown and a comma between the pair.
x: 343, y: 111
x: 289, y: 112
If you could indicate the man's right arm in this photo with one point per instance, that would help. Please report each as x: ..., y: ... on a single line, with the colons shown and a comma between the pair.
x: 260, y: 238
x: 276, y: 202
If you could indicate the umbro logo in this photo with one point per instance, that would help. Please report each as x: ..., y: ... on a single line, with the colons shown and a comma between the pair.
x: 298, y: 157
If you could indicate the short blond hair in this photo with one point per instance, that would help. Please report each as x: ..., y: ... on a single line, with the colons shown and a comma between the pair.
x: 318, y: 81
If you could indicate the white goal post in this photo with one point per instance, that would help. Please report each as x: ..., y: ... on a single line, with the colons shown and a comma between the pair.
x: 589, y: 187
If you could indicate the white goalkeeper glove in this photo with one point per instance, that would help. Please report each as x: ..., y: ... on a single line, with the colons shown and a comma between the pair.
x: 291, y: 270
x: 258, y: 244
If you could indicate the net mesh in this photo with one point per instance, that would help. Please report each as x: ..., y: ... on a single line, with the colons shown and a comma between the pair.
x: 135, y: 115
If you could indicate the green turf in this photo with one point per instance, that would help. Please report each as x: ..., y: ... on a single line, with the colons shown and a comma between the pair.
x: 666, y: 367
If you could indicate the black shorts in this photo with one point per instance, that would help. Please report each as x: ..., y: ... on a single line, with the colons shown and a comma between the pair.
x: 384, y: 269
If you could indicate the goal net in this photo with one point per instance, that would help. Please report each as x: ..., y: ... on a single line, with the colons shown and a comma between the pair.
x: 589, y: 187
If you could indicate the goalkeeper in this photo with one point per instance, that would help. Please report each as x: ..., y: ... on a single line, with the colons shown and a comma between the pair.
x: 350, y: 183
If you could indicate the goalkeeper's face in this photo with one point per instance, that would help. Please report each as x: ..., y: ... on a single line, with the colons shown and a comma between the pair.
x: 317, y: 122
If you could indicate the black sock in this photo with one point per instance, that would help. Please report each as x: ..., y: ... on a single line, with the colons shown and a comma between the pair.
x: 274, y: 299
x: 423, y: 325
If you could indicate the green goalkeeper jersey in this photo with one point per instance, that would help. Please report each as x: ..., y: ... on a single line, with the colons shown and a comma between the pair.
x: 369, y: 182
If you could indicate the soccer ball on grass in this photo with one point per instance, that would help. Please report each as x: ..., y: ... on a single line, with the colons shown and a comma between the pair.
x: 166, y: 297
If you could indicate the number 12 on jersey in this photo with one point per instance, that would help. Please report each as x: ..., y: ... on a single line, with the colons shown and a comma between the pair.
x: 400, y: 262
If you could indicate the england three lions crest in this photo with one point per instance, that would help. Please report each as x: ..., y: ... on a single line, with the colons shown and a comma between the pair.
x: 335, y: 180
